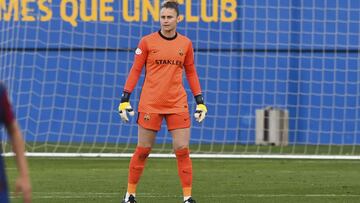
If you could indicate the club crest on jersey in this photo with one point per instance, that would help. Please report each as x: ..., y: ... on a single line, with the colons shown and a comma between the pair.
x: 146, y: 117
x: 181, y: 52
x: 138, y: 51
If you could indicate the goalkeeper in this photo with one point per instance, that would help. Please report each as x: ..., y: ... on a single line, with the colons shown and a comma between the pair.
x: 165, y: 54
x: 23, y: 182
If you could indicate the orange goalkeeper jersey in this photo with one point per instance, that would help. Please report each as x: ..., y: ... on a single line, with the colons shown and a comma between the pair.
x: 165, y: 60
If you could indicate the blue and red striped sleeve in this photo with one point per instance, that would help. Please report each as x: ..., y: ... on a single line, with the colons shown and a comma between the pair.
x: 6, y: 114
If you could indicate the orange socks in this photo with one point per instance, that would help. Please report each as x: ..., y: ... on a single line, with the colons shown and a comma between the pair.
x: 138, y: 161
x: 136, y: 167
x: 184, y: 170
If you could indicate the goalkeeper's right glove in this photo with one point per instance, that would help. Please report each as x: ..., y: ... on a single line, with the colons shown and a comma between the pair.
x: 125, y: 107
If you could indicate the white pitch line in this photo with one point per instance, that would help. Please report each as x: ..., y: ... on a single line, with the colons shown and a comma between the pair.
x: 171, y: 155
x: 80, y: 195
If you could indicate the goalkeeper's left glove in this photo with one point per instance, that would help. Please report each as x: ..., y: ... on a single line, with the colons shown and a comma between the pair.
x: 201, y: 109
x: 125, y: 107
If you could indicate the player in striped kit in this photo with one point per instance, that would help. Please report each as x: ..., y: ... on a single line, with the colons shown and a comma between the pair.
x: 165, y: 55
x: 23, y: 182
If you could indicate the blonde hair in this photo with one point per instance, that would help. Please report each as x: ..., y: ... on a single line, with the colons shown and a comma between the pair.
x: 171, y: 4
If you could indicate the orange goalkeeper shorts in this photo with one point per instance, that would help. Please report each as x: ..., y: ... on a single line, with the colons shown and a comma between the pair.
x: 152, y: 121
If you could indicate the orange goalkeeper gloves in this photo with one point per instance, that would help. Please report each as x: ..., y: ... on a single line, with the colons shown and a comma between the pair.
x: 125, y: 107
x: 201, y: 109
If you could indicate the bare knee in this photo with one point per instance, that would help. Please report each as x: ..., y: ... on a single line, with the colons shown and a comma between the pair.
x: 180, y: 146
x: 145, y: 144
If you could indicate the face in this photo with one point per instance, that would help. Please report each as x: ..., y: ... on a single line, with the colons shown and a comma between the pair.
x: 168, y: 19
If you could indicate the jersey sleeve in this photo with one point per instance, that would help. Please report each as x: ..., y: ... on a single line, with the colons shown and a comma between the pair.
x: 141, y: 53
x: 190, y: 71
x: 7, y: 115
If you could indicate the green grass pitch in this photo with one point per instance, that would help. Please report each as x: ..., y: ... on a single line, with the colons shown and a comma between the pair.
x: 103, y: 180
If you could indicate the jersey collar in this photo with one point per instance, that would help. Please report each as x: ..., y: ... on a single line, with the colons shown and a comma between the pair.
x: 168, y: 38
